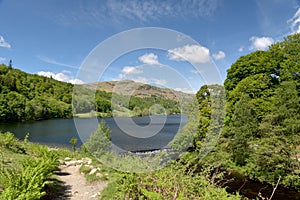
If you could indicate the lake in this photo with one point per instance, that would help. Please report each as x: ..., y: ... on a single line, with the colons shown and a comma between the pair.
x: 58, y: 132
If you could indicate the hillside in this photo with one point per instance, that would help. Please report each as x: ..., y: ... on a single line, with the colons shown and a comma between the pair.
x: 26, y: 96
x: 137, y: 89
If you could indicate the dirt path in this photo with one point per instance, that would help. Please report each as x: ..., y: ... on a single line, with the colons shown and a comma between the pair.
x: 75, y: 184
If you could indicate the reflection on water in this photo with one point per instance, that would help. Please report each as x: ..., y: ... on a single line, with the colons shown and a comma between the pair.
x: 58, y: 132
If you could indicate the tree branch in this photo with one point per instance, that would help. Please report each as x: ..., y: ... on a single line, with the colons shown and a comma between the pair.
x: 275, y: 188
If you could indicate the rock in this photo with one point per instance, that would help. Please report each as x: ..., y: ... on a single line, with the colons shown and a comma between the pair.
x: 99, y: 175
x: 87, y: 160
x: 88, y: 166
x: 93, y: 171
x: 62, y: 162
x: 95, y: 195
x: 73, y: 163
x: 68, y: 159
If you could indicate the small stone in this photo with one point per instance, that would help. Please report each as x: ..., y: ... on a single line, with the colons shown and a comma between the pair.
x: 79, y: 162
x: 95, y: 195
x: 70, y: 163
x: 88, y: 166
x: 99, y: 175
x: 68, y: 159
x: 87, y: 160
x: 93, y: 171
x: 61, y: 162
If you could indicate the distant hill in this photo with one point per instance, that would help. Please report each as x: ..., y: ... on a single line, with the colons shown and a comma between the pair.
x: 137, y: 89
x: 25, y: 96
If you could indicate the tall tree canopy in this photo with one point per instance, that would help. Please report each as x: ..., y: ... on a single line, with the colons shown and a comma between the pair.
x: 261, y: 133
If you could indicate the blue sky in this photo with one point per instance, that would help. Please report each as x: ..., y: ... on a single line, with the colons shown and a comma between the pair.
x: 55, y: 37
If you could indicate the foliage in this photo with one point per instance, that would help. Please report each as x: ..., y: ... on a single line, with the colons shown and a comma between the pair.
x: 30, y: 97
x: 8, y: 141
x: 99, y: 142
x: 211, y: 105
x: 26, y: 176
x: 73, y: 141
x: 28, y: 182
x: 26, y: 96
x: 172, y: 182
x: 261, y: 132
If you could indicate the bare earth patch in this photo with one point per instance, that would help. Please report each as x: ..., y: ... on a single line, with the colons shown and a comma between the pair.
x: 78, y: 189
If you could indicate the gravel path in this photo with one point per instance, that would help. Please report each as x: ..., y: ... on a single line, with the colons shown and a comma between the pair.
x: 75, y: 184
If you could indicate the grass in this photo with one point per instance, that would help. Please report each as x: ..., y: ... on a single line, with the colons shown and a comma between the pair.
x: 92, y: 114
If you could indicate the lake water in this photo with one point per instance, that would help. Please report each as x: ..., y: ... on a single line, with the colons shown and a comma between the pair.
x: 58, y: 132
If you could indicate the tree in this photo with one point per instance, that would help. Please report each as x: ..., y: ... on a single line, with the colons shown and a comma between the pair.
x: 244, y: 126
x: 262, y: 123
x: 10, y: 64
x: 211, y: 103
x: 73, y: 141
x: 99, y: 142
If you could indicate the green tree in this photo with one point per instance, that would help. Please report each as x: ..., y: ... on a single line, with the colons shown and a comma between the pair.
x: 73, y: 141
x: 275, y: 155
x: 211, y: 103
x: 261, y: 132
x: 10, y: 64
x: 244, y: 127
x: 99, y: 142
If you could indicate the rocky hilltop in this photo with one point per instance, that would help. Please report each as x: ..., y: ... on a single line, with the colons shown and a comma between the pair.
x: 129, y: 87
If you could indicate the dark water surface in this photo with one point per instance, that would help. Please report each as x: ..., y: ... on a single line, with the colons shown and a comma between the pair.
x: 58, y: 132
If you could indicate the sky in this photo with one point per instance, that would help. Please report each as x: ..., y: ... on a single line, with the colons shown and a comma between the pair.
x: 194, y: 41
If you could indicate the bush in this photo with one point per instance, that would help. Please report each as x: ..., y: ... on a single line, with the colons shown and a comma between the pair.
x: 99, y: 142
x: 8, y: 141
x: 173, y: 182
x: 28, y: 181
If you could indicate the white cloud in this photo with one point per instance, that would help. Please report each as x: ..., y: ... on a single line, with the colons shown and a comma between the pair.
x: 66, y: 72
x: 131, y: 70
x: 2, y: 59
x: 3, y: 43
x: 191, y: 53
x: 150, y: 80
x: 186, y: 90
x: 260, y: 43
x: 241, y: 49
x: 194, y: 71
x: 76, y: 81
x: 150, y: 59
x: 295, y: 22
x: 160, y: 81
x: 61, y: 77
x: 120, y: 11
x: 219, y: 55
x: 54, y: 62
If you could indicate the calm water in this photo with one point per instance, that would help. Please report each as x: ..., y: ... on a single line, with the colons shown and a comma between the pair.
x: 58, y: 132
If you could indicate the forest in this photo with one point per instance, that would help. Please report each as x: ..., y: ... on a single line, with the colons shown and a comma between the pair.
x: 26, y: 96
x: 261, y: 133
